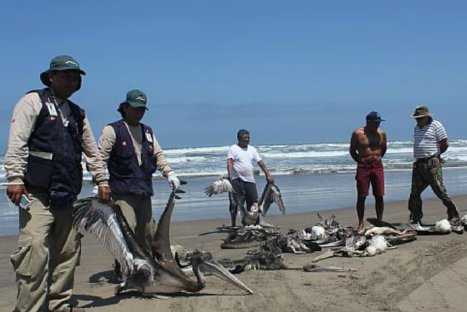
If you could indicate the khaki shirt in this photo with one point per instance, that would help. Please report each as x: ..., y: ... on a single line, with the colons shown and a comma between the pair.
x: 108, y: 139
x: 23, y: 122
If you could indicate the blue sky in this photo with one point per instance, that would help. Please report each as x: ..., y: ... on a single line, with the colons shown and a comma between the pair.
x: 290, y: 71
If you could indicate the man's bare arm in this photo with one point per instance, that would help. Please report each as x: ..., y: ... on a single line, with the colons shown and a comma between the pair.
x: 229, y: 167
x: 353, y: 146
x: 443, y: 145
x: 384, y: 143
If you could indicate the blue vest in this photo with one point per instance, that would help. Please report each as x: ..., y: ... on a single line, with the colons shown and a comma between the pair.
x: 62, y: 173
x: 126, y: 175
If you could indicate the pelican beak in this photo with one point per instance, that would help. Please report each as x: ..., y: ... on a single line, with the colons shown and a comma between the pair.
x: 213, y: 267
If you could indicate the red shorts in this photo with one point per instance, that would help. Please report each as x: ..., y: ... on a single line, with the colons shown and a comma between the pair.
x: 370, y: 173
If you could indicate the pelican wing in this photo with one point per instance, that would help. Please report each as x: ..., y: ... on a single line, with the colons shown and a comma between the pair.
x: 99, y: 219
x: 271, y: 194
x: 220, y: 186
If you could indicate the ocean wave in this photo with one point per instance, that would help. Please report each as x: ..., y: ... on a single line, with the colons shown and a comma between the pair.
x: 197, y: 150
x: 186, y: 159
x: 304, y: 154
x: 289, y: 159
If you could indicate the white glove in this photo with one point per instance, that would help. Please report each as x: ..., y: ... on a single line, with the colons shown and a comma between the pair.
x: 174, y: 182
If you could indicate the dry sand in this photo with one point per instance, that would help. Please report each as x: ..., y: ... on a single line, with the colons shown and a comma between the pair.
x: 429, y: 274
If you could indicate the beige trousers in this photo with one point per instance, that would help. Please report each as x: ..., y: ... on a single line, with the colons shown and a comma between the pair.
x: 137, y: 210
x: 48, y: 251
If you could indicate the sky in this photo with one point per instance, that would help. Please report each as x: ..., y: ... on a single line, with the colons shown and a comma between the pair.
x: 289, y: 71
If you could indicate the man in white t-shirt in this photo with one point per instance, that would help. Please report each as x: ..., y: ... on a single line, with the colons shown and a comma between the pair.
x: 430, y: 141
x: 241, y: 158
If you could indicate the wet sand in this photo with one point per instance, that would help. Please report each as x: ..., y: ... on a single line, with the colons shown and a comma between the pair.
x: 429, y: 274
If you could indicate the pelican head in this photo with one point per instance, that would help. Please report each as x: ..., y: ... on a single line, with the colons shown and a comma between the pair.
x: 203, y: 262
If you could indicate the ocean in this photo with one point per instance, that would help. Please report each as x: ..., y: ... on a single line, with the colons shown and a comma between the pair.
x: 312, y: 177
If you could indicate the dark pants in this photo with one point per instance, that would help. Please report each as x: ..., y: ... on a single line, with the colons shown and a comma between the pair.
x: 428, y: 172
x: 243, y: 192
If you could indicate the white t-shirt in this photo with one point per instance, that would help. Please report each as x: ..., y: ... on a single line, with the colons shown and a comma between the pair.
x: 244, y: 160
x: 426, y: 139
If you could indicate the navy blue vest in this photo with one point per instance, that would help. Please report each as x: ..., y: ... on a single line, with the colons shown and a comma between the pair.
x: 126, y: 175
x: 62, y: 173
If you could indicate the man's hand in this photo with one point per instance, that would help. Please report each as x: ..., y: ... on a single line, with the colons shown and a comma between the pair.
x: 269, y: 178
x: 173, y: 180
x: 104, y: 193
x: 14, y: 192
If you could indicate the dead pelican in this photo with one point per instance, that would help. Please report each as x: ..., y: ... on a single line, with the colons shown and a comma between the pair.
x: 220, y: 186
x: 271, y: 194
x: 255, y: 214
x: 150, y: 274
x: 325, y: 268
x: 223, y: 185
x: 267, y: 257
x: 248, y: 237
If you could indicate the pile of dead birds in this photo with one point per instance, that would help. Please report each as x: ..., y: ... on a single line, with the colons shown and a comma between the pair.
x: 327, y: 235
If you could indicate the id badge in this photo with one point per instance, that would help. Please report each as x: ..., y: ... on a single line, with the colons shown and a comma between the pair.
x: 52, y: 110
x: 149, y: 137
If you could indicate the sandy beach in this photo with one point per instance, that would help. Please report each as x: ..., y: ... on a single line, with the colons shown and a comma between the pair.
x: 429, y: 274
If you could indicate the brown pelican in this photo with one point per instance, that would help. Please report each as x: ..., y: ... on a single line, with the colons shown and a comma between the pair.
x: 292, y: 243
x: 223, y: 185
x: 219, y: 186
x: 271, y: 194
x: 441, y: 227
x: 248, y: 237
x: 152, y: 271
x: 326, y: 233
x: 255, y: 214
x: 267, y: 257
x: 325, y: 268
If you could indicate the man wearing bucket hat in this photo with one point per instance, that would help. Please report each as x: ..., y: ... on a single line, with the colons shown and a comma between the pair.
x: 133, y: 154
x: 367, y: 147
x: 48, y: 136
x: 430, y: 141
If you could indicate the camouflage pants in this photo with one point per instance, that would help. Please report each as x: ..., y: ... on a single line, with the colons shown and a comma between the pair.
x: 428, y: 172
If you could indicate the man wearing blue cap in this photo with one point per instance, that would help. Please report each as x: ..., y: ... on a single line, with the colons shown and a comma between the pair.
x: 133, y: 154
x: 48, y: 136
x: 367, y: 147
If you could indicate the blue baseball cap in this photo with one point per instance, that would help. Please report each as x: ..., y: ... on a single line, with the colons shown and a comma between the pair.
x: 374, y: 116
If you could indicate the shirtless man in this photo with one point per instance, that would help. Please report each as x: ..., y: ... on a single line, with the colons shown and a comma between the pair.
x: 367, y: 147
